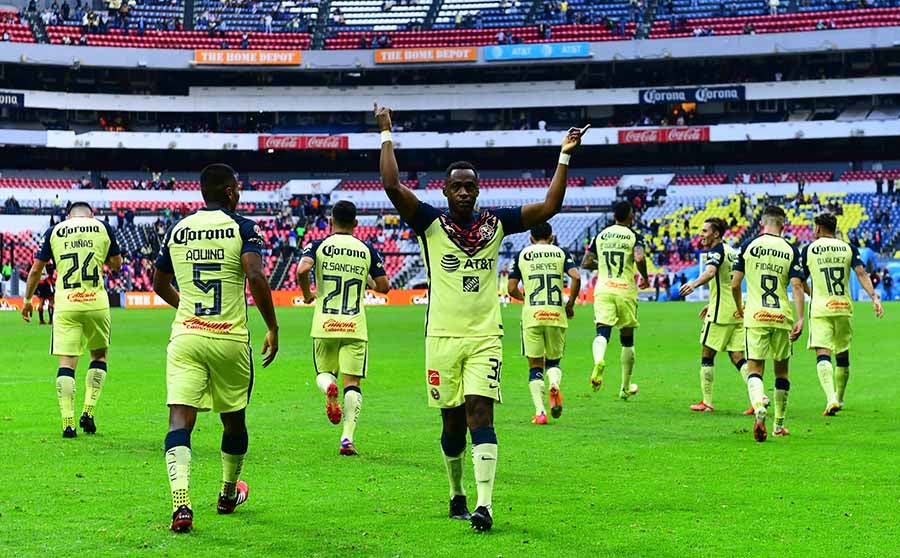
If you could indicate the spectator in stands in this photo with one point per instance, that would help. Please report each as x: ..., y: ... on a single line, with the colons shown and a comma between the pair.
x: 543, y: 31
x: 12, y: 206
x: 337, y: 17
x: 891, y: 182
x: 879, y: 184
x: 364, y: 42
x: 887, y: 284
x: 749, y: 29
x: 245, y: 41
x: 501, y: 37
x: 267, y: 23
x: 801, y: 185
x: 773, y: 7
x: 387, y: 5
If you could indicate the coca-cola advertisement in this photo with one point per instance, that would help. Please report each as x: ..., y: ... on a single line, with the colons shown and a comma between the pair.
x: 664, y: 135
x: 293, y: 143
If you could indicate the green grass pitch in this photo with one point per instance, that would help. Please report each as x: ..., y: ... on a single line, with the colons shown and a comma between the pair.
x: 642, y: 478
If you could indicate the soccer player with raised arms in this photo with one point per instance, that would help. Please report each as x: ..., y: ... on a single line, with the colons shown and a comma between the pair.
x: 722, y: 328
x: 542, y: 267
x: 615, y: 253
x: 78, y: 246
x: 770, y: 264
x: 463, y: 328
x: 827, y: 263
x: 209, y: 366
x: 343, y: 265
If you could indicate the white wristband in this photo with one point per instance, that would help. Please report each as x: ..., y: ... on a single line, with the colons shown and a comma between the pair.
x: 564, y: 159
x: 386, y: 136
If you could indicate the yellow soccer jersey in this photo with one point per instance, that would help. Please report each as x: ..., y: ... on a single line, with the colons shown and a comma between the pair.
x: 542, y: 268
x: 613, y: 249
x: 461, y: 260
x: 769, y: 263
x: 342, y: 267
x: 827, y: 263
x: 79, y: 247
x: 204, y: 252
x: 721, y: 302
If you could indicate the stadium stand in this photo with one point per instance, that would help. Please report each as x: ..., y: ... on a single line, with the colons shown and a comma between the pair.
x: 488, y: 183
x: 17, y: 30
x: 184, y: 39
x: 377, y: 15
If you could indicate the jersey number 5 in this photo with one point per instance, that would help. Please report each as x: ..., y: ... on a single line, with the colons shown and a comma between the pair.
x: 207, y: 286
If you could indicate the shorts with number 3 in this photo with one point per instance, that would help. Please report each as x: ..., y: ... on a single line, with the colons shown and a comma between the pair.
x: 460, y: 366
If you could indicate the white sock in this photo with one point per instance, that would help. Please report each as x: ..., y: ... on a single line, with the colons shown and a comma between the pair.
x: 536, y: 387
x: 352, y: 404
x: 599, y: 348
x: 706, y: 383
x: 324, y: 380
x: 627, y: 367
x: 826, y: 379
x: 757, y: 391
x: 555, y: 374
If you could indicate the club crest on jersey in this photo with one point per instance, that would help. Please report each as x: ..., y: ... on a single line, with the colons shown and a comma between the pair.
x: 435, y: 394
x: 474, y: 236
x: 486, y: 231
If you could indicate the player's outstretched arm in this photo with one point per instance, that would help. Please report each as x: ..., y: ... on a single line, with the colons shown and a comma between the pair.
x: 34, y: 277
x: 799, y: 307
x: 737, y: 277
x: 262, y: 297
x: 402, y: 197
x: 574, y: 289
x: 303, y: 270
x: 704, y: 278
x: 162, y: 286
x: 536, y: 213
x: 866, y: 283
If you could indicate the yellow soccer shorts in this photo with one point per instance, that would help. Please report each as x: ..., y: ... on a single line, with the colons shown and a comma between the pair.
x: 765, y: 343
x: 460, y: 366
x: 208, y: 373
x: 339, y: 355
x: 615, y: 310
x: 75, y: 331
x: 723, y: 337
x: 832, y: 332
x: 544, y: 342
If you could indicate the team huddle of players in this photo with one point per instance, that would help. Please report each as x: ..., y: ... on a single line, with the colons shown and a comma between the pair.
x: 212, y: 254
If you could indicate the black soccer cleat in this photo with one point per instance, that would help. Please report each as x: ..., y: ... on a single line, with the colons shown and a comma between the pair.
x: 69, y: 432
x: 481, y: 519
x: 182, y: 520
x: 87, y: 424
x: 459, y: 509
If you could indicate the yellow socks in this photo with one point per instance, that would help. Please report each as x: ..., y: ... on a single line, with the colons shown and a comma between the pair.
x: 484, y: 458
x: 178, y: 465
x: 65, y: 393
x: 93, y: 385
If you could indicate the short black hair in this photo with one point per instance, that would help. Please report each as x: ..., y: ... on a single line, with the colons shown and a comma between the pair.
x: 461, y: 165
x: 621, y: 210
x: 214, y: 179
x: 542, y: 231
x: 75, y: 205
x: 827, y: 221
x: 343, y: 213
x: 718, y: 224
x: 774, y: 211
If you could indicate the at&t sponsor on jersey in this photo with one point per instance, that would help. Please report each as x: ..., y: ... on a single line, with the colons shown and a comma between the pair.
x: 450, y: 263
